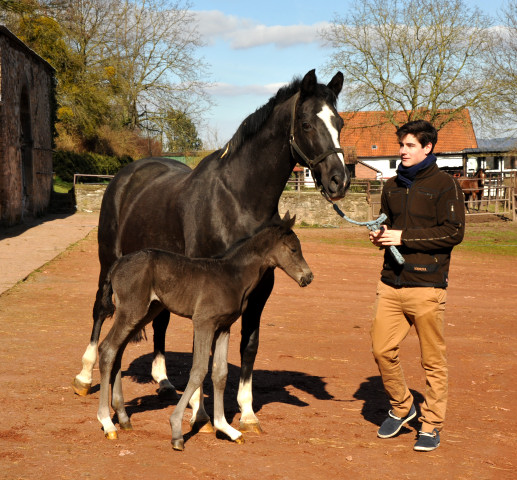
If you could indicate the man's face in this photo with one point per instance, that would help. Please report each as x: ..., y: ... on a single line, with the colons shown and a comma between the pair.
x: 411, y: 152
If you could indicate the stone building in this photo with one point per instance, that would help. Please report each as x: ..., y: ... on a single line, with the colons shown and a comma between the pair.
x: 27, y: 89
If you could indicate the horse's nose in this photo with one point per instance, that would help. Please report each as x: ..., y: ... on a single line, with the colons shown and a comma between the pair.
x: 306, y: 279
x: 339, y: 184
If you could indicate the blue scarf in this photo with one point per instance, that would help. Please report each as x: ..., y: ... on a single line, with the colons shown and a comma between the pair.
x: 406, y: 175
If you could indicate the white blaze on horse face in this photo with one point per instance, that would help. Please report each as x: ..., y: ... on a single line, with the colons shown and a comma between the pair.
x: 326, y: 115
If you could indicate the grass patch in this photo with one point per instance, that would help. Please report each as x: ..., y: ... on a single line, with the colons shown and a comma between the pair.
x: 490, y: 238
x: 487, y: 238
x: 60, y: 186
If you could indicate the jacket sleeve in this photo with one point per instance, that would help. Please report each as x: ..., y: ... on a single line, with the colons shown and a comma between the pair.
x: 450, y: 224
x: 385, y: 208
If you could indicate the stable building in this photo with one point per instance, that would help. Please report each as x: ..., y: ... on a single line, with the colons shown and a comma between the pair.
x: 27, y: 102
x: 372, y: 137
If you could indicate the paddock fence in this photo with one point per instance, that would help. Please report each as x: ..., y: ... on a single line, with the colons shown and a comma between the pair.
x: 499, y: 197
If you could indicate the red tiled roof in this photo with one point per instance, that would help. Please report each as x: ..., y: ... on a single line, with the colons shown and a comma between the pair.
x: 364, y: 130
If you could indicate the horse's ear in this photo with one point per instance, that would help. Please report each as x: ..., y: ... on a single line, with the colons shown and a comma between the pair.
x: 288, y: 221
x: 309, y: 83
x: 336, y: 84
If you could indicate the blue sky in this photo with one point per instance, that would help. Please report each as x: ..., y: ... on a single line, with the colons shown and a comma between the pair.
x: 254, y: 47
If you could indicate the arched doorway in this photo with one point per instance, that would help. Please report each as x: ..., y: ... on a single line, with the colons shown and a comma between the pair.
x: 26, y: 143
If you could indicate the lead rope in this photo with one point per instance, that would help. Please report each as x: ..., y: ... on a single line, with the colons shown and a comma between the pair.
x: 373, y: 225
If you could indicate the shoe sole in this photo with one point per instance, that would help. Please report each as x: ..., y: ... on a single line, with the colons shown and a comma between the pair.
x: 425, y: 449
x: 398, y: 429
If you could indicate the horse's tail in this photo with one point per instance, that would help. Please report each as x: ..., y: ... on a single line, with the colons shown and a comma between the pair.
x: 107, y: 306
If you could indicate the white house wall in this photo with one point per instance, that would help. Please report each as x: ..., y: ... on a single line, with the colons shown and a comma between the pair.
x: 383, y: 164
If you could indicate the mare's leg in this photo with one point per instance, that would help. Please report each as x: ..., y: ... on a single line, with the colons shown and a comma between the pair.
x: 159, y: 371
x: 219, y: 376
x: 83, y: 381
x: 202, y: 343
x: 249, y: 346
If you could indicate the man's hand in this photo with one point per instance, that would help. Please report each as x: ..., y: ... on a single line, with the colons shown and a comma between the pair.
x: 385, y: 237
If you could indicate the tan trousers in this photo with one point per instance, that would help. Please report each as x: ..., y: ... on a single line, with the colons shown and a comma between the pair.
x: 397, y: 309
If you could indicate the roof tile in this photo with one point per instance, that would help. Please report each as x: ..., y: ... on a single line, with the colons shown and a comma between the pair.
x: 373, y: 136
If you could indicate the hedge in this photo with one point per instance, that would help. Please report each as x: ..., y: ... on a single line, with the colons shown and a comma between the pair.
x: 66, y: 164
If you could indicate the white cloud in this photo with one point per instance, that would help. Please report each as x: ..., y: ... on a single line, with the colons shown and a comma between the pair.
x: 243, y: 33
x: 226, y: 89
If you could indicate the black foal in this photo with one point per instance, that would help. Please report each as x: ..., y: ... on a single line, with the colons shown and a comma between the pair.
x: 211, y: 292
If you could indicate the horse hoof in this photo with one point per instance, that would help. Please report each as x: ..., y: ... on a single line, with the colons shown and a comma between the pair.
x: 202, y: 427
x: 126, y: 426
x: 111, y: 435
x: 250, y: 427
x: 178, y: 445
x: 167, y: 391
x: 239, y: 440
x: 80, y: 388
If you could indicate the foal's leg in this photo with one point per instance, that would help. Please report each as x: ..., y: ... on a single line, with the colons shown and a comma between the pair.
x: 219, y: 376
x: 128, y: 319
x: 249, y: 346
x: 117, y: 398
x: 200, y: 421
x: 107, y: 355
x: 202, y: 343
x: 159, y: 371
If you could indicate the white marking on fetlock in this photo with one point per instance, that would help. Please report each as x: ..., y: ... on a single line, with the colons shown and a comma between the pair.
x: 107, y: 424
x: 159, y: 370
x: 223, y: 426
x: 245, y: 401
x: 326, y: 115
x: 89, y: 359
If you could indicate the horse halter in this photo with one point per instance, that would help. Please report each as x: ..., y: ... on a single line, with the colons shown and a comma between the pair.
x: 311, y: 163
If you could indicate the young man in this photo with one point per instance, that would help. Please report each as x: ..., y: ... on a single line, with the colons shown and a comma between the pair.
x: 426, y: 219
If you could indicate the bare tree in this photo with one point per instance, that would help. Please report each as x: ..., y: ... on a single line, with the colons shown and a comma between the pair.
x: 128, y: 61
x: 151, y: 57
x: 422, y: 57
x: 502, y: 69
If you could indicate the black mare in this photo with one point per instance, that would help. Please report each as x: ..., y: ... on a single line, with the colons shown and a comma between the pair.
x: 161, y: 203
x: 212, y: 292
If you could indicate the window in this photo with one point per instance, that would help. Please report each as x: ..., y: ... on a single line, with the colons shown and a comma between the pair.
x: 393, y: 164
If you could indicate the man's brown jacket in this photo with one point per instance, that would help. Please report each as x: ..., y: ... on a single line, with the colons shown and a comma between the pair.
x: 431, y: 215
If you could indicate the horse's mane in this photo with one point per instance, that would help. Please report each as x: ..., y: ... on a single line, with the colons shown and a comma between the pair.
x: 254, y: 122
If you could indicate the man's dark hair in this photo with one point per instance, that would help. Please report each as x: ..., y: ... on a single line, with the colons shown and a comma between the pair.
x: 423, y: 131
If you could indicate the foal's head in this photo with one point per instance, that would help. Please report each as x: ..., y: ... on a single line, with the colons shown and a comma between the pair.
x: 286, y: 253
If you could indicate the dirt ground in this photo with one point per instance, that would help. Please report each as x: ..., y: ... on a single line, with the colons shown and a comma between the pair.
x: 316, y: 387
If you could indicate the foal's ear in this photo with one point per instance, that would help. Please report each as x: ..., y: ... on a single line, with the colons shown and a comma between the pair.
x: 309, y: 83
x: 288, y: 221
x: 336, y: 84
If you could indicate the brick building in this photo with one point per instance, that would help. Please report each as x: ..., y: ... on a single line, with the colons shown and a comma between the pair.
x: 26, y: 115
x: 373, y: 138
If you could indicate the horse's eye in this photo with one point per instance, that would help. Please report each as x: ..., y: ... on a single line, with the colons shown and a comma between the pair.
x: 306, y: 126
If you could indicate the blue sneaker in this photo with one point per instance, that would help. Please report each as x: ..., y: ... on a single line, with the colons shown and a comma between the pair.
x: 391, y: 426
x: 427, y: 441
